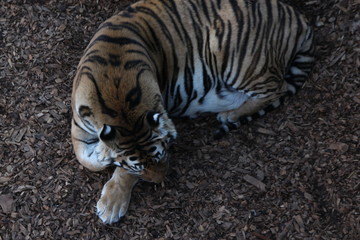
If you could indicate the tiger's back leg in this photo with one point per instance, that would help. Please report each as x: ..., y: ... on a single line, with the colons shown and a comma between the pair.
x: 296, y: 75
x: 255, y: 106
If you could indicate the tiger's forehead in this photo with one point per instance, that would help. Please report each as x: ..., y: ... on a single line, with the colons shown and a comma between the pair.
x: 94, y: 88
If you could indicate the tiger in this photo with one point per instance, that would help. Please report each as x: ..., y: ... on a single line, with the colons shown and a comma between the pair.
x: 160, y: 59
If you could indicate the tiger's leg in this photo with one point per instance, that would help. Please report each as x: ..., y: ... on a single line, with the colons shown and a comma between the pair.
x: 115, y: 196
x: 297, y: 73
x: 269, y: 96
x: 249, y: 110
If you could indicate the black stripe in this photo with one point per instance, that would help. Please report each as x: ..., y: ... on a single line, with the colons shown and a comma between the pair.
x: 214, y: 10
x: 158, y: 50
x: 198, y: 34
x: 134, y: 64
x: 133, y: 51
x: 82, y: 129
x: 227, y: 44
x: 135, y: 29
x: 186, y: 39
x: 188, y: 102
x: 177, y: 100
x: 254, y: 8
x: 120, y: 41
x: 133, y: 97
x: 195, y: 9
x: 209, y: 55
x: 244, y: 41
x: 205, y: 9
x: 255, y: 59
x: 299, y: 31
x: 239, y: 18
x: 172, y: 10
x: 144, y: 138
x: 114, y: 60
x: 87, y: 125
x: 270, y: 18
x: 85, y: 68
x: 232, y: 63
x: 206, y: 83
x: 188, y: 79
x: 91, y: 52
x: 247, y: 83
x: 220, y: 32
x: 85, y: 111
x: 88, y: 141
x: 216, y: 70
x: 105, y: 109
x: 288, y: 19
x: 128, y: 12
x: 244, y: 45
x: 218, y: 4
x: 162, y: 25
x: 97, y: 59
x: 258, y: 34
x: 164, y: 29
x: 150, y: 38
x: 280, y: 38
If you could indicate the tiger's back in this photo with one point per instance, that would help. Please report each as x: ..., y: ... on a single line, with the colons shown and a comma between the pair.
x: 161, y: 58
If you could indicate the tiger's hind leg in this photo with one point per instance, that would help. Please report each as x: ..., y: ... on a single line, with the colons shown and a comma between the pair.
x: 257, y: 105
x: 253, y: 108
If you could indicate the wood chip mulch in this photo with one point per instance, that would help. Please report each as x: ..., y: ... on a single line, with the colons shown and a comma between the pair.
x: 294, y: 174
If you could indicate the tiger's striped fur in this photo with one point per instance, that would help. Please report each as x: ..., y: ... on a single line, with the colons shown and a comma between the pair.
x: 161, y: 58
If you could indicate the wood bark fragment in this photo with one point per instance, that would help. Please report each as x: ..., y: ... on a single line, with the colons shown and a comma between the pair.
x: 257, y: 183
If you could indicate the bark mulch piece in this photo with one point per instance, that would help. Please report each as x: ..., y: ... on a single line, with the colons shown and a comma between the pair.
x: 294, y: 174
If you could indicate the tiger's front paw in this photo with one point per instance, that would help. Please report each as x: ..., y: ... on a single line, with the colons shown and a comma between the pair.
x: 115, y: 196
x: 113, y: 203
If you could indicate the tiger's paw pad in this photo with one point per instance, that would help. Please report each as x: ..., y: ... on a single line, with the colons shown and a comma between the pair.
x: 113, y: 203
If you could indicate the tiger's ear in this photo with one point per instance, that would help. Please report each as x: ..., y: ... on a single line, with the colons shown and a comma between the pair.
x: 153, y: 118
x: 107, y: 133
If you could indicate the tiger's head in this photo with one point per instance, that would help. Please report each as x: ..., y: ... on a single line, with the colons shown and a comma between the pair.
x: 123, y: 112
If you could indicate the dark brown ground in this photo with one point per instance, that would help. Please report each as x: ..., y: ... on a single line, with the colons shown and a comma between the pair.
x: 293, y: 174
